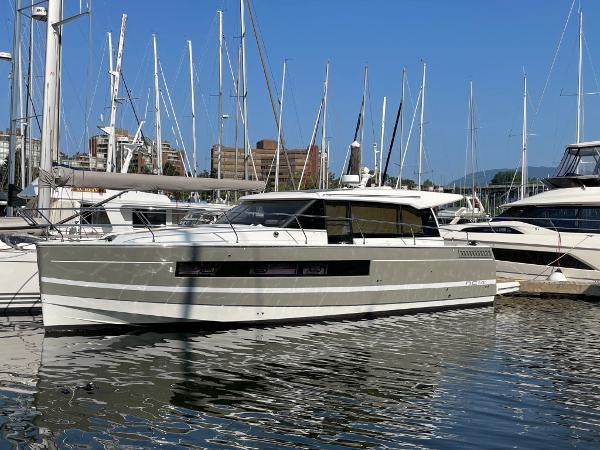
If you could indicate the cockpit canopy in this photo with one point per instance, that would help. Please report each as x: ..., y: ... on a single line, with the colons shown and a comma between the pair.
x: 580, y: 165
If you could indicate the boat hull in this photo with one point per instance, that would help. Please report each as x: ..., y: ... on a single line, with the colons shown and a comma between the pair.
x: 577, y: 255
x: 19, y: 282
x: 142, y: 284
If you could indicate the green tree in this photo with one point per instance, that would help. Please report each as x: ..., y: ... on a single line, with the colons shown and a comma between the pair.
x: 146, y: 170
x: 170, y: 170
x: 506, y: 177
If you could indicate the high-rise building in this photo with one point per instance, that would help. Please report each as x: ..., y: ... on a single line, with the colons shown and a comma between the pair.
x: 142, y: 160
x: 34, y: 154
x: 232, y: 163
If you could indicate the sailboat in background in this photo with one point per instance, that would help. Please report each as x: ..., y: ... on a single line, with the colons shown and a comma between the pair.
x: 473, y: 211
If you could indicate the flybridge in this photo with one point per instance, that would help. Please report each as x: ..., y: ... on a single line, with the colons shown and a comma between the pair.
x: 580, y: 166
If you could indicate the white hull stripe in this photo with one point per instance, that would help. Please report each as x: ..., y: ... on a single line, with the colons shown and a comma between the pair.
x: 62, y: 311
x: 264, y: 290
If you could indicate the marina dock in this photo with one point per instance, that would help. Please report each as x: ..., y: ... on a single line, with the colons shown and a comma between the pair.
x: 553, y: 288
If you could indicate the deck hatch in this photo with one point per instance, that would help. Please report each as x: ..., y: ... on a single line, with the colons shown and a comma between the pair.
x: 336, y: 268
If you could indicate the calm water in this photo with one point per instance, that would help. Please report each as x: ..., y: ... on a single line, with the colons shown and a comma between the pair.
x: 523, y: 375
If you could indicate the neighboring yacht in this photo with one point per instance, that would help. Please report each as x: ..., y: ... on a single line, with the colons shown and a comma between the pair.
x: 553, y: 234
x: 278, y: 256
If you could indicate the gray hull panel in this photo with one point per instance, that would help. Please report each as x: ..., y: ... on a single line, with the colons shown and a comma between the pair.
x: 90, y: 284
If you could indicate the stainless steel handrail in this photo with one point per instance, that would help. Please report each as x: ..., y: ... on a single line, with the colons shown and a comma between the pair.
x: 237, y: 239
x: 299, y: 225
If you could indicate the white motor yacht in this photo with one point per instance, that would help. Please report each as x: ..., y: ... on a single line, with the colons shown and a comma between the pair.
x: 277, y: 256
x: 551, y: 235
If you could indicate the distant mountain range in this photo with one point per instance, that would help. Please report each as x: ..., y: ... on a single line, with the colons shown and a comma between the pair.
x: 483, y: 177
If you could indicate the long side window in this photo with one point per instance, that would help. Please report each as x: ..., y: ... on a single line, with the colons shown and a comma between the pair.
x: 375, y: 220
x: 589, y: 219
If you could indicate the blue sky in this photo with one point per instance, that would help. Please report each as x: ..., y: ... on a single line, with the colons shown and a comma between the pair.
x: 488, y: 42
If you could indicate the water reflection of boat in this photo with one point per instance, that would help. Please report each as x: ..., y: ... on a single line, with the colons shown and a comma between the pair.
x: 327, y: 376
x: 21, y: 341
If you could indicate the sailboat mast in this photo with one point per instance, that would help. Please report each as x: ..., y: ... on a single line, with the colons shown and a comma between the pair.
x: 362, y: 115
x: 14, y: 105
x: 472, y: 140
x: 220, y: 96
x: 524, y: 177
x: 279, y: 130
x: 324, y: 155
x: 111, y: 67
x: 237, y: 109
x: 399, y: 180
x: 326, y: 184
x: 158, y: 138
x: 580, y: 80
x: 381, y: 142
x: 194, y: 164
x: 29, y: 103
x: 51, y: 100
x: 420, y: 173
x: 115, y: 77
x: 22, y: 119
x: 244, y: 91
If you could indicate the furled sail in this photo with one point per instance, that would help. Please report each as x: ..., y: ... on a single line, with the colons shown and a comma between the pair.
x: 64, y: 176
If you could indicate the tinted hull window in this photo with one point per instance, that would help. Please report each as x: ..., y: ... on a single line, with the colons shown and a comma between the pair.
x: 540, y: 258
x: 272, y: 268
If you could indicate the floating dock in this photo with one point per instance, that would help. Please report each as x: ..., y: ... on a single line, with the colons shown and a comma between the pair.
x: 554, y: 288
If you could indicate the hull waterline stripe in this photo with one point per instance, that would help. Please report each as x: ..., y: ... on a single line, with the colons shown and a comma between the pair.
x: 264, y: 290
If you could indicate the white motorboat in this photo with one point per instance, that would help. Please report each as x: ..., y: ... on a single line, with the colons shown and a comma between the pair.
x: 551, y: 235
x: 275, y: 257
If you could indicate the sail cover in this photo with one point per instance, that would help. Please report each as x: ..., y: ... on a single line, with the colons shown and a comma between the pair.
x: 64, y: 176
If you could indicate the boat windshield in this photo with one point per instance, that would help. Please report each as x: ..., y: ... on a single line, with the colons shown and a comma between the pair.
x: 579, y: 161
x: 272, y: 213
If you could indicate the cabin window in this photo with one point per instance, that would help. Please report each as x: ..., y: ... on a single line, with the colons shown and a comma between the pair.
x: 511, y: 213
x: 311, y: 218
x: 148, y: 217
x: 272, y: 213
x: 430, y: 227
x: 177, y: 215
x: 589, y: 219
x: 94, y: 215
x: 411, y: 222
x: 375, y: 220
x: 560, y: 218
x: 484, y: 229
x: 338, y: 223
